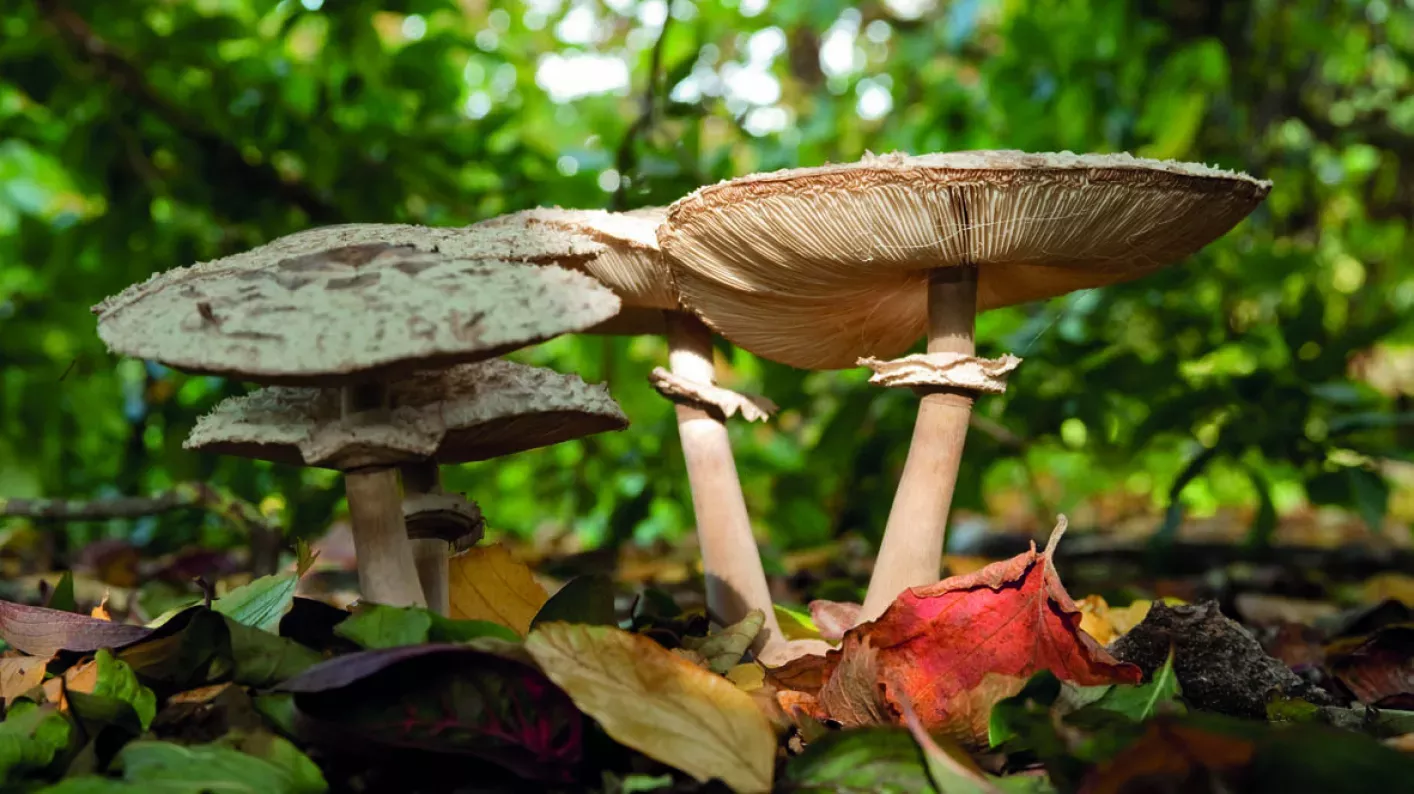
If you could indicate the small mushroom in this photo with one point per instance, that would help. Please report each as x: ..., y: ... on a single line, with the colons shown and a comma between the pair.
x: 355, y: 308
x: 465, y: 413
x: 632, y: 266
x: 830, y: 267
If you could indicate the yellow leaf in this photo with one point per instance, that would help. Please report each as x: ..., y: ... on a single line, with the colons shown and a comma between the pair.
x: 796, y: 625
x: 486, y: 583
x: 20, y: 674
x: 1106, y: 623
x: 101, y: 612
x: 1386, y: 586
x: 748, y: 677
x: 659, y: 704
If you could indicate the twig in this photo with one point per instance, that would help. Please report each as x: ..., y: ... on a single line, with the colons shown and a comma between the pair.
x: 200, y: 496
x: 125, y: 78
x: 625, y: 161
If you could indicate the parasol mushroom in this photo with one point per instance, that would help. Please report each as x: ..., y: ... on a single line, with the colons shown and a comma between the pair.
x: 845, y: 265
x: 468, y: 412
x: 354, y: 308
x: 632, y: 266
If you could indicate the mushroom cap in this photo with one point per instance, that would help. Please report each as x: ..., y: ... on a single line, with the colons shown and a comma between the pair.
x: 818, y: 267
x: 304, y: 313
x: 467, y: 412
x: 631, y: 263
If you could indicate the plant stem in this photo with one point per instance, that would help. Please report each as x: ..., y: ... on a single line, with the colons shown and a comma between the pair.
x: 387, y: 573
x: 736, y: 582
x: 912, y: 549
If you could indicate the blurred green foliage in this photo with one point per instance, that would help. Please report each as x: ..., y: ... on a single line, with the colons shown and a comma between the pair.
x: 138, y: 136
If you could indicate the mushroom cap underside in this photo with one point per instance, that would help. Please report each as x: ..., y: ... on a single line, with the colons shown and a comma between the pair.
x: 818, y: 267
x: 466, y: 413
x: 333, y: 316
x: 631, y: 263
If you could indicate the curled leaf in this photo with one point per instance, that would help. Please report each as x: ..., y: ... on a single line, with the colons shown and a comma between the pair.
x: 665, y: 707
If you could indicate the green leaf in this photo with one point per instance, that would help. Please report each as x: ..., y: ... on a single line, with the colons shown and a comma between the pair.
x: 261, y: 603
x: 30, y: 737
x: 796, y: 624
x: 447, y: 630
x: 1137, y: 703
x: 583, y: 599
x: 381, y: 626
x: 874, y: 760
x: 117, y: 696
x: 63, y: 596
x: 172, y: 768
x: 93, y: 784
x: 262, y: 659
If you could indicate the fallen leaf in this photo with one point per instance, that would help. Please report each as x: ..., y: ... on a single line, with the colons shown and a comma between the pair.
x: 62, y: 596
x: 583, y: 599
x: 1106, y: 623
x: 723, y: 650
x: 795, y: 625
x: 20, y: 674
x: 1388, y: 586
x: 954, y: 649
x: 100, y: 612
x: 1169, y: 751
x: 486, y: 583
x: 748, y: 677
x: 262, y: 603
x: 863, y: 761
x: 950, y: 767
x: 834, y: 618
x: 1261, y: 609
x: 650, y: 700
x: 30, y: 736
x: 107, y: 690
x: 163, y: 766
x: 44, y: 632
x: 483, y: 700
x: 1404, y: 743
x: 1377, y: 667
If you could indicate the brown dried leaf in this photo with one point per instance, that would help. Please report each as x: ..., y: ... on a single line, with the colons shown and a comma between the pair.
x: 20, y: 674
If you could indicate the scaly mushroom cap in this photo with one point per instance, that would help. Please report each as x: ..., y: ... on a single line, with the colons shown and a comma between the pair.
x: 333, y: 315
x: 818, y: 267
x: 465, y: 413
x: 630, y: 264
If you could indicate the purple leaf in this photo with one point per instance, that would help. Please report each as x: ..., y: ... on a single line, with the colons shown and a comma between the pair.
x: 43, y: 632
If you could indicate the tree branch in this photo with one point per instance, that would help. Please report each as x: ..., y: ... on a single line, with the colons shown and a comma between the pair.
x: 191, y: 495
x: 625, y: 160
x: 124, y: 77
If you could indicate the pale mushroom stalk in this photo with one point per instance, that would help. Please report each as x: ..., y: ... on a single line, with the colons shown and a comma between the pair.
x: 429, y: 554
x: 912, y: 548
x: 387, y: 573
x: 736, y: 581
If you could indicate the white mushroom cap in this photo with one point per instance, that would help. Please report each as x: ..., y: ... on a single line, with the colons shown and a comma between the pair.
x: 818, y: 267
x: 464, y: 413
x: 631, y: 263
x: 335, y: 315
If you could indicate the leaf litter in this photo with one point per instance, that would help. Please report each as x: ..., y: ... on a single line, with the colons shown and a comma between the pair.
x: 993, y: 681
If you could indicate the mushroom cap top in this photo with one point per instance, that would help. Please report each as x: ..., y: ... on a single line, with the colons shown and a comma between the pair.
x: 343, y: 312
x: 464, y: 413
x: 631, y: 264
x: 817, y: 267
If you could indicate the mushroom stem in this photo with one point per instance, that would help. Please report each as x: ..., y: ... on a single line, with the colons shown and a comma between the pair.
x: 736, y: 582
x: 387, y: 573
x: 429, y: 554
x: 912, y: 549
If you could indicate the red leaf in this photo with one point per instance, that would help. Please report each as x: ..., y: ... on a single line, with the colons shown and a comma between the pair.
x: 39, y: 631
x: 955, y: 648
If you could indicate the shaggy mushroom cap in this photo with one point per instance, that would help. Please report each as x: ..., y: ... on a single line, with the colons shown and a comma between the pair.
x: 334, y: 315
x: 818, y: 267
x: 631, y: 264
x: 468, y: 412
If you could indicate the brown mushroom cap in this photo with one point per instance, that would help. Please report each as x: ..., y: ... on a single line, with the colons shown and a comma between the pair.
x: 631, y: 263
x: 818, y: 267
x: 468, y: 412
x: 336, y: 315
